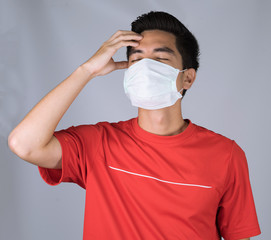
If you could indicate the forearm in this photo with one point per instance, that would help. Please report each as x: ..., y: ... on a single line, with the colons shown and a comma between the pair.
x: 37, y: 128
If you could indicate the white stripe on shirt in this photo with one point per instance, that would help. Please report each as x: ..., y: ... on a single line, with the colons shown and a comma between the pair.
x: 177, y: 183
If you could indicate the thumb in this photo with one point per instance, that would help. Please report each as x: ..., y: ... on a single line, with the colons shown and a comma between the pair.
x: 121, y: 65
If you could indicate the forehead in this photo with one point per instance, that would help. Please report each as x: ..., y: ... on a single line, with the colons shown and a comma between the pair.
x: 157, y: 38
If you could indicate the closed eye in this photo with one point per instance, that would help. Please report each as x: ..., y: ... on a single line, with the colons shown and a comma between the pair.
x: 162, y: 59
x: 136, y: 60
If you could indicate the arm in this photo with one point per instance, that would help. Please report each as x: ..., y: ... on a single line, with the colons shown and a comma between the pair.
x: 33, y: 140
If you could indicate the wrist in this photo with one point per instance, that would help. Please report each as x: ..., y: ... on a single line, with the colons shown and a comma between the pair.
x: 87, y: 69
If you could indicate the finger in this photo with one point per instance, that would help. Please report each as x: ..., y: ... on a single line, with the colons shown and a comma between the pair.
x: 120, y: 44
x: 121, y: 65
x: 127, y: 37
x: 122, y: 32
x: 114, y: 47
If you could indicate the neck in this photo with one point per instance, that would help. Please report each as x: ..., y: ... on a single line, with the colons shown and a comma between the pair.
x: 166, y: 121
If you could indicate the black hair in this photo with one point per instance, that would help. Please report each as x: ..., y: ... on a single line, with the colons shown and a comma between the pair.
x: 186, y: 43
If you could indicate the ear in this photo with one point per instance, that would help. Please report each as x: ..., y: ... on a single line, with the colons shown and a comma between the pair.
x: 189, y: 78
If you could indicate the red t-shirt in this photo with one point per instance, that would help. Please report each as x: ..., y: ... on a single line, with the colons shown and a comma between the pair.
x: 139, y: 185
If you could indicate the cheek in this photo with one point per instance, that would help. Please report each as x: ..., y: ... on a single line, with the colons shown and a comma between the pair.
x: 179, y: 82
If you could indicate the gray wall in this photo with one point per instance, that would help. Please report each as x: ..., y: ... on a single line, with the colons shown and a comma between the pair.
x: 42, y: 42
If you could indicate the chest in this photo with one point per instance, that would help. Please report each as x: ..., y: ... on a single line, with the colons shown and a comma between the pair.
x: 179, y: 177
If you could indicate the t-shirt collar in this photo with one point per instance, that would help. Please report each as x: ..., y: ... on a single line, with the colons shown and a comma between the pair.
x: 143, y: 134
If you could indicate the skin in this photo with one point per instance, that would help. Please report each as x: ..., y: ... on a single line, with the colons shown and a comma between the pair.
x: 32, y: 139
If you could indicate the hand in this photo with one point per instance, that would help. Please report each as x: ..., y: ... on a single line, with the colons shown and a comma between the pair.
x: 102, y: 63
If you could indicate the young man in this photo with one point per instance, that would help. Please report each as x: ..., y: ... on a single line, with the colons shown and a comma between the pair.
x: 156, y: 176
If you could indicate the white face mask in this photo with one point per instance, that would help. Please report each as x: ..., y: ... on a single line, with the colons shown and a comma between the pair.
x: 150, y: 84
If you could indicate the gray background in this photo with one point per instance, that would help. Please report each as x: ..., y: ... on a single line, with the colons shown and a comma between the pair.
x: 43, y: 42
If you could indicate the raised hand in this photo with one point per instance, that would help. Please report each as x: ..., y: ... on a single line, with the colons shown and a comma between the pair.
x: 102, y: 63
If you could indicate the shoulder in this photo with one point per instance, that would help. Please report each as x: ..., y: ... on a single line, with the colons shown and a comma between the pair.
x: 95, y: 130
x: 221, y: 144
x: 207, y: 133
x: 99, y: 126
x: 123, y: 124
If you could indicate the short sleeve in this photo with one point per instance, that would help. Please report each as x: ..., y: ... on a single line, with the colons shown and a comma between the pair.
x: 79, y: 146
x: 236, y: 217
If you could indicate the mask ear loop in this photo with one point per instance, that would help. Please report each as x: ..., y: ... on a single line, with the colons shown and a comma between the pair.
x: 180, y: 93
x: 182, y: 88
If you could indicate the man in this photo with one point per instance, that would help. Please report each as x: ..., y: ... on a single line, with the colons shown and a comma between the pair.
x: 156, y: 176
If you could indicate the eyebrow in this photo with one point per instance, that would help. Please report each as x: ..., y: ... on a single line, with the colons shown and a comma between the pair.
x: 161, y: 49
x: 164, y: 49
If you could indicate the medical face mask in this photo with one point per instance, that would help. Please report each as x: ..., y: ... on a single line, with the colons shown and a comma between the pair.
x: 150, y: 84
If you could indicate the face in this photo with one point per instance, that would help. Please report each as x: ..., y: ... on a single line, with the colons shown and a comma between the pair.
x: 160, y: 46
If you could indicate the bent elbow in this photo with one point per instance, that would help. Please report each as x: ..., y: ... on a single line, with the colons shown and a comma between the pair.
x: 16, y: 147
